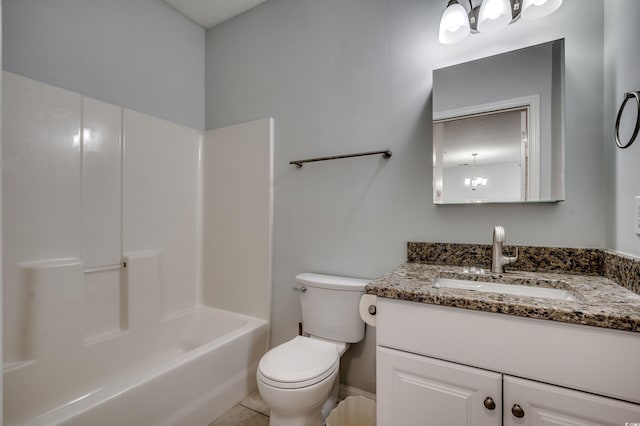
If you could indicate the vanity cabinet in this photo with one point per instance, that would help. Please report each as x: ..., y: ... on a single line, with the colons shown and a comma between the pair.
x: 550, y: 405
x: 415, y: 390
x: 441, y: 366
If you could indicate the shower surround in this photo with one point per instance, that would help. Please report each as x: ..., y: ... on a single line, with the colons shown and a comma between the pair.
x: 102, y: 244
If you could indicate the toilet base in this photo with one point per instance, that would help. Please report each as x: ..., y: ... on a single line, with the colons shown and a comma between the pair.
x: 298, y: 407
x: 332, y: 401
x: 311, y: 419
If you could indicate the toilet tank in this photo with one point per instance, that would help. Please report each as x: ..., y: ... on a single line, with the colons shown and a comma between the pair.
x: 330, y: 306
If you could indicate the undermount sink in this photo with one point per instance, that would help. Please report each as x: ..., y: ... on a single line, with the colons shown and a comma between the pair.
x: 519, y: 290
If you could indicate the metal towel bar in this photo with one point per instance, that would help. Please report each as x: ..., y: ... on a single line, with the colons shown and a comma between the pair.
x: 385, y: 154
x: 628, y: 96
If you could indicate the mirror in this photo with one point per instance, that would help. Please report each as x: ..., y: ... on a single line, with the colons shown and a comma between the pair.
x: 498, y: 128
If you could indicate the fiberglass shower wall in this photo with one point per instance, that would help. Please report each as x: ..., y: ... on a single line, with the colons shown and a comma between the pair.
x: 86, y: 183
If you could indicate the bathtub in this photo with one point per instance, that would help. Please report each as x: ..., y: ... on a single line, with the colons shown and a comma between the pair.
x: 187, y: 371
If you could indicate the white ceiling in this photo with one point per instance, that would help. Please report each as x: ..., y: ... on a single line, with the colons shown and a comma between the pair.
x: 209, y: 13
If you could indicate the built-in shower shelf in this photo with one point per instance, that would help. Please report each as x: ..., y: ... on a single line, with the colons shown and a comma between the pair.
x: 92, y: 340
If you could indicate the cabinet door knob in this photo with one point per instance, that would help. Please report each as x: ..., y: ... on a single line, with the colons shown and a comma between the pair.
x: 489, y: 403
x: 517, y: 411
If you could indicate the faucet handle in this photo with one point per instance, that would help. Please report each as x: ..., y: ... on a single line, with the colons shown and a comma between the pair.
x: 512, y: 259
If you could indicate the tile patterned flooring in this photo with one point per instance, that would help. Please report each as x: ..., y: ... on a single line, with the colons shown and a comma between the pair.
x: 251, y: 411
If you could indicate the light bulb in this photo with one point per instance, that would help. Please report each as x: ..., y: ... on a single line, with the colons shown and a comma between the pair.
x: 454, y: 24
x: 534, y: 9
x: 494, y: 14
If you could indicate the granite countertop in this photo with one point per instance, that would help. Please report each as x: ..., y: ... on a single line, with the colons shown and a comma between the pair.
x: 600, y: 301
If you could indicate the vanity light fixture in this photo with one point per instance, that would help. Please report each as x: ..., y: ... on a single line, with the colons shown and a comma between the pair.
x: 454, y: 24
x: 493, y: 15
x: 534, y: 9
x: 490, y: 15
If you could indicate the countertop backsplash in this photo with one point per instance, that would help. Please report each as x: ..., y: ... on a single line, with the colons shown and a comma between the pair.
x: 621, y: 269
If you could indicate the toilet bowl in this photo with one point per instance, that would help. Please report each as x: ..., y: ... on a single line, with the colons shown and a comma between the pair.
x: 298, y: 379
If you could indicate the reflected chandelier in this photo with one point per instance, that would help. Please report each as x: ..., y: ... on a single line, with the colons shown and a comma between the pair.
x: 475, y: 181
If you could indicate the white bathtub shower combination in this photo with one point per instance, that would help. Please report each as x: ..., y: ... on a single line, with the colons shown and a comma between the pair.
x: 103, y: 324
x: 185, y: 370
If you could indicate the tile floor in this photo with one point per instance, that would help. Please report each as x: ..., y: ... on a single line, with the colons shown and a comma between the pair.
x: 251, y: 411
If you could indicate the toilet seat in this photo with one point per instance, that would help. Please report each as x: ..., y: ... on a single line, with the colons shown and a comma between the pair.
x: 299, y: 363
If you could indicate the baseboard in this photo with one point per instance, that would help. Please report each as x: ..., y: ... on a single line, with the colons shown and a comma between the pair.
x: 346, y: 390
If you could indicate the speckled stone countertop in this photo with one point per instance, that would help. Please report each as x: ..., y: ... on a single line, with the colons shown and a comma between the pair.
x: 600, y: 302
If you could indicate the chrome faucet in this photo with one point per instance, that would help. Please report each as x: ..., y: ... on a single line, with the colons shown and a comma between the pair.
x: 498, y: 259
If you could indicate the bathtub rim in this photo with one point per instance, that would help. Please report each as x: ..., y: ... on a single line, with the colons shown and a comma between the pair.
x: 111, y: 390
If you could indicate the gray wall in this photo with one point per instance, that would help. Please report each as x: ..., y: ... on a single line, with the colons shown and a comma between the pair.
x: 343, y: 76
x: 622, y: 62
x: 1, y: 271
x: 140, y: 54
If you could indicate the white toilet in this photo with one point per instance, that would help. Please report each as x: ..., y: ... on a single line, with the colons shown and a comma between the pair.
x: 299, y: 379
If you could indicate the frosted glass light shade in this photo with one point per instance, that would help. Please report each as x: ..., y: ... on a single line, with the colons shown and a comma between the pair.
x: 494, y: 14
x: 534, y: 9
x: 454, y: 24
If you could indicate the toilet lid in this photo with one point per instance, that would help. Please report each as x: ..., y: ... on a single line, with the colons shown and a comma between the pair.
x: 301, y: 359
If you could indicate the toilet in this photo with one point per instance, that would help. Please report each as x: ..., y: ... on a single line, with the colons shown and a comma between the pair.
x: 299, y: 379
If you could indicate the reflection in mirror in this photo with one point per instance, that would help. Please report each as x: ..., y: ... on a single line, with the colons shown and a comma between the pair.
x: 490, y: 148
x: 498, y: 129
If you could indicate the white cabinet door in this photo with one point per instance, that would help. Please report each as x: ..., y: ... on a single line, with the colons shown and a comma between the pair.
x: 546, y: 405
x: 414, y: 390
